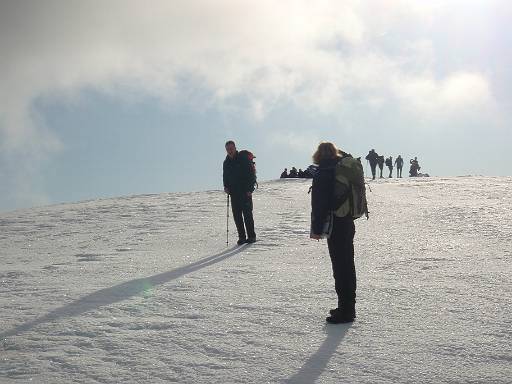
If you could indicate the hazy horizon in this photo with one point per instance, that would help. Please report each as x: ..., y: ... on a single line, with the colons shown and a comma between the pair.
x: 123, y: 99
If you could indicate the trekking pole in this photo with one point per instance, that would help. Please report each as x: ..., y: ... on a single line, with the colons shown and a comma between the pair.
x: 227, y: 222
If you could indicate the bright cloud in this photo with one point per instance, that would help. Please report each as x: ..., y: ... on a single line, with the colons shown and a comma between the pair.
x: 313, y: 54
x: 456, y: 93
x: 319, y: 56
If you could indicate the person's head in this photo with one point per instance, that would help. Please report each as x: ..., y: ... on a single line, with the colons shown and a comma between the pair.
x: 373, y: 150
x: 325, y: 151
x: 230, y: 148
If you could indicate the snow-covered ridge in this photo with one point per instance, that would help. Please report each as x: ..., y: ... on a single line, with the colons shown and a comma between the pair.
x: 144, y: 289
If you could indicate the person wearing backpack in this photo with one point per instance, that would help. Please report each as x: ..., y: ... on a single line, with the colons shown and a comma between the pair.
x: 338, y: 196
x: 239, y: 178
x: 373, y: 157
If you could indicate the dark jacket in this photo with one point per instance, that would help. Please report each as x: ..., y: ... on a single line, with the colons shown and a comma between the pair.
x: 238, y: 175
x: 372, y: 157
x: 322, y: 194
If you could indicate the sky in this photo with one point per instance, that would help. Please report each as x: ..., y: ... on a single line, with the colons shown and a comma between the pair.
x: 116, y: 98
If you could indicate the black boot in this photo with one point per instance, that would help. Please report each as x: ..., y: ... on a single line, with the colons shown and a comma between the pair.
x: 341, y: 316
x: 241, y: 241
x: 352, y: 312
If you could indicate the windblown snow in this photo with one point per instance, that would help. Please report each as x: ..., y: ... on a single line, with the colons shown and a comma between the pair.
x: 144, y: 290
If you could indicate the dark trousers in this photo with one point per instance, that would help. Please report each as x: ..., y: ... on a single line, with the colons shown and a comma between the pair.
x: 241, y: 206
x: 398, y: 171
x: 341, y: 250
x: 390, y: 171
x: 374, y: 169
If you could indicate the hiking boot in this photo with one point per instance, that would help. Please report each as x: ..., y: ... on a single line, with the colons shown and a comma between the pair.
x: 241, y: 241
x: 251, y: 240
x: 352, y: 312
x: 340, y: 317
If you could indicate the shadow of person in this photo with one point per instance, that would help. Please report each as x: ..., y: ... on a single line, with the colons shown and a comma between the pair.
x: 121, y: 292
x: 313, y: 368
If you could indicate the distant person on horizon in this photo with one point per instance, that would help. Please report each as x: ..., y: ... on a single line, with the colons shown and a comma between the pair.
x: 310, y: 171
x: 399, y: 162
x: 380, y: 161
x: 300, y: 174
x: 389, y: 164
x: 372, y: 157
x: 341, y: 238
x: 284, y: 175
x: 293, y: 173
x: 415, y: 167
x: 239, y: 181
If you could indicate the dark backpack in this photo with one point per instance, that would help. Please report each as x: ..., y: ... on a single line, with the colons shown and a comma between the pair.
x: 250, y: 157
x: 349, y: 188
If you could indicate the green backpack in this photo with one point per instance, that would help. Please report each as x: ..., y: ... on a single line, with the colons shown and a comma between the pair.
x: 349, y: 188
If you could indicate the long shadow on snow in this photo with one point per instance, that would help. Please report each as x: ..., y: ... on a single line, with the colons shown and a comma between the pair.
x: 121, y: 292
x: 317, y: 362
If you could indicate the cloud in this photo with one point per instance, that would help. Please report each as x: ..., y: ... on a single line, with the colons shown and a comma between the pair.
x: 455, y: 94
x: 320, y: 56
x: 298, y: 142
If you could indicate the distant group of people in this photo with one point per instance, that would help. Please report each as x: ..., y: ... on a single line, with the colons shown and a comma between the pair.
x: 378, y: 160
x: 300, y: 174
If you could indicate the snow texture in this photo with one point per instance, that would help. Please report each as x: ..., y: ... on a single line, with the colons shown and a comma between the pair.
x: 143, y: 289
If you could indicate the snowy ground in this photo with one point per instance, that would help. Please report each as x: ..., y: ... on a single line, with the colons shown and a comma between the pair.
x: 143, y: 289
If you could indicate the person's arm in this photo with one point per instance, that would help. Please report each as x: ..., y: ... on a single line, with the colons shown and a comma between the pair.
x: 249, y: 176
x: 225, y: 177
x: 321, y: 199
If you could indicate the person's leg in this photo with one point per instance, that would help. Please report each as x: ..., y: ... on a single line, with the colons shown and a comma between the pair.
x: 341, y: 250
x: 237, y: 204
x: 374, y: 171
x: 248, y: 217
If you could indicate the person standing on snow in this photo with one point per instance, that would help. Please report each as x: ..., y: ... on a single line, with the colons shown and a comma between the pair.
x: 341, y: 238
x: 380, y: 161
x: 389, y: 164
x: 399, y: 162
x: 372, y: 157
x: 239, y: 180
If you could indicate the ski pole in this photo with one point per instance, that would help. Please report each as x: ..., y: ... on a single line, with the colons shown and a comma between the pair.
x: 227, y: 222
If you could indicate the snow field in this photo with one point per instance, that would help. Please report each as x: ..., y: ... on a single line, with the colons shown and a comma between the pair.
x: 143, y: 289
